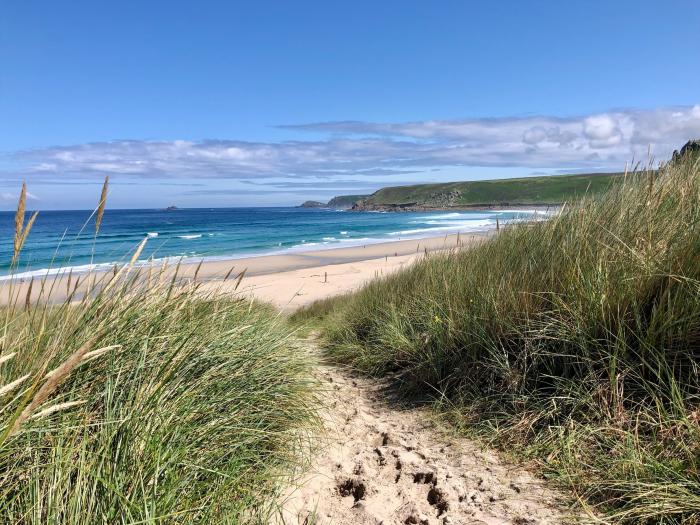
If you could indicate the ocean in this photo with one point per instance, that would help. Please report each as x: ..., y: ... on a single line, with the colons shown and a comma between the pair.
x: 62, y: 239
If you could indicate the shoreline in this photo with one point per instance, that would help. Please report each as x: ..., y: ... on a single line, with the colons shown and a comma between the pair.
x: 80, y: 267
x: 298, y: 255
x: 275, y: 263
x: 288, y: 281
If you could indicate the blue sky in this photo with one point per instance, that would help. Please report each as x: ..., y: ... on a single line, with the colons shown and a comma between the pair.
x: 265, y: 103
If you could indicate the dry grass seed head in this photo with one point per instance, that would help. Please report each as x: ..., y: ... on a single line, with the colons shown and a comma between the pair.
x: 52, y: 382
x: 101, y: 205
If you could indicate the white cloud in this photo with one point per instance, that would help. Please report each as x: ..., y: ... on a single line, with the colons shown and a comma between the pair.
x: 14, y: 197
x: 534, y: 135
x: 597, y: 141
x: 602, y: 131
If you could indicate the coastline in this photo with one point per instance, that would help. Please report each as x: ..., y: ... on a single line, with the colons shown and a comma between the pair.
x: 193, y: 241
x: 413, y: 207
x: 287, y: 281
x: 275, y: 263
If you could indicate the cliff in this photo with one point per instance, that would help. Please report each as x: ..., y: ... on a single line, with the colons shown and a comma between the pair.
x: 527, y: 191
x: 345, y: 201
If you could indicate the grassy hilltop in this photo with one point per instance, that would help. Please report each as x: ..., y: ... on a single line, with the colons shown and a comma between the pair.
x: 574, y: 342
x: 522, y: 191
x: 548, y: 190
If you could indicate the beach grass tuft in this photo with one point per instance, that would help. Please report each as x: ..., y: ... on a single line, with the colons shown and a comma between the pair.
x: 139, y: 398
x: 573, y: 342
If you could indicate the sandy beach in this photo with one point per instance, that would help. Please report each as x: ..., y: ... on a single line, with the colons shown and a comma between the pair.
x: 288, y: 281
x: 293, y: 281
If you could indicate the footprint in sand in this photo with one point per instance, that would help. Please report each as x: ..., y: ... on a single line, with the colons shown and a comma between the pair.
x: 379, y: 463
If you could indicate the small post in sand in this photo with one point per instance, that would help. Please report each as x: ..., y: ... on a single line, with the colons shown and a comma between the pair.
x: 498, y: 225
x: 325, y: 277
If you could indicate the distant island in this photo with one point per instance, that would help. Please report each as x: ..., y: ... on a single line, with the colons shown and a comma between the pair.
x: 313, y: 204
x: 552, y: 190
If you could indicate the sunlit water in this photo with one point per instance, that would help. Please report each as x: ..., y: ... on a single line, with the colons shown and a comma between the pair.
x: 66, y: 238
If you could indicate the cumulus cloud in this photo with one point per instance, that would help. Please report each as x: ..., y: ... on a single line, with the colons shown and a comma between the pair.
x: 602, y: 131
x: 597, y: 141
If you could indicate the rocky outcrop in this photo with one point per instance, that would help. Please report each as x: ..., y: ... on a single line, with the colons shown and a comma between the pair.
x: 364, y: 205
x: 434, y: 201
x: 444, y: 199
x: 692, y: 147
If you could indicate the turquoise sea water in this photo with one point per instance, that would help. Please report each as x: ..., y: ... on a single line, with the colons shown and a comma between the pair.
x: 56, y: 239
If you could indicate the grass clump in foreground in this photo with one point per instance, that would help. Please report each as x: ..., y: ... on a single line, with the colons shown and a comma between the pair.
x: 574, y: 341
x: 144, y: 402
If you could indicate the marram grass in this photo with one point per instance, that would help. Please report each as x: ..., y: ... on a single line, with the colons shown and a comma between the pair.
x: 575, y: 341
x: 146, y: 401
x: 147, y: 406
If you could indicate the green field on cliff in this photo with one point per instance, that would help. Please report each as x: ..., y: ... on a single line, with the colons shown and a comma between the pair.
x: 526, y: 190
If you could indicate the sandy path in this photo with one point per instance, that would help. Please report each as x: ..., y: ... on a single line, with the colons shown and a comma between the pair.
x: 382, y: 463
